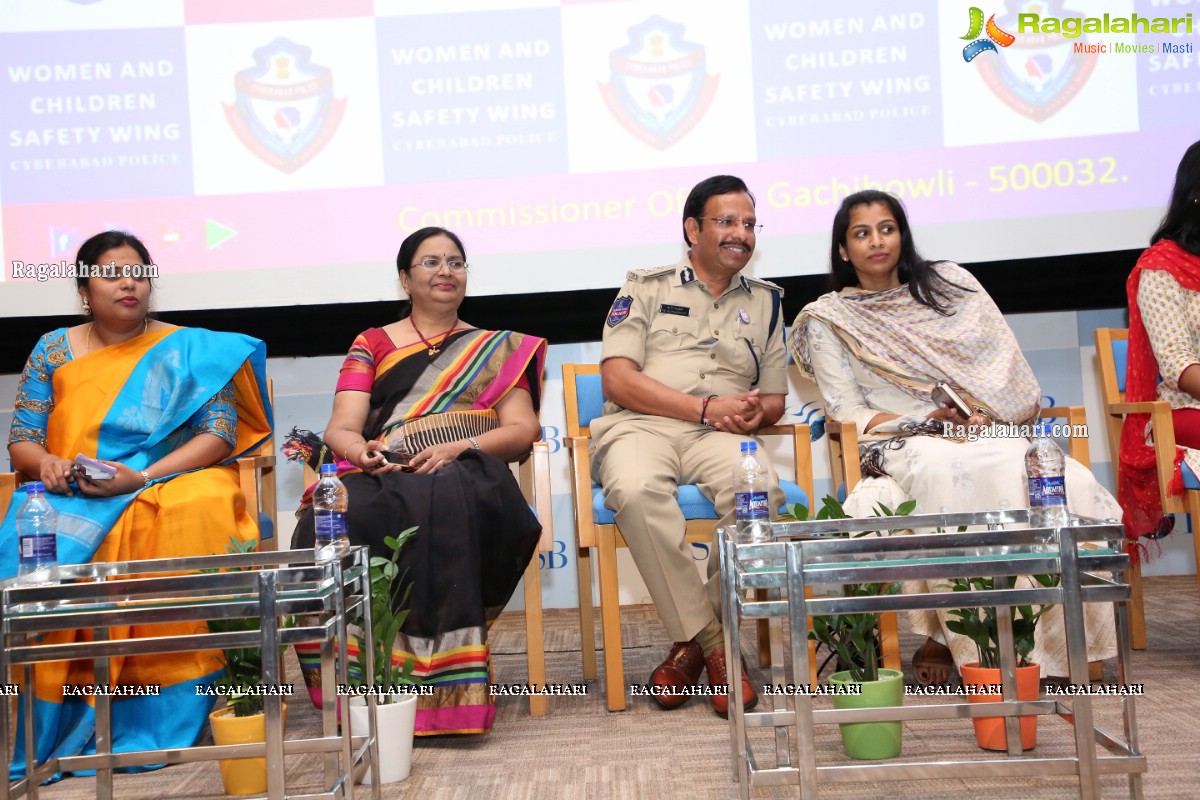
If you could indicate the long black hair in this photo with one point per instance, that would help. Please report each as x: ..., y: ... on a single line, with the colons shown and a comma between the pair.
x: 1181, y: 223
x: 925, y: 284
x: 408, y: 251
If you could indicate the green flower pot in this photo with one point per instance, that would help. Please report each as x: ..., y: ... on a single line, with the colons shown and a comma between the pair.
x: 871, y: 740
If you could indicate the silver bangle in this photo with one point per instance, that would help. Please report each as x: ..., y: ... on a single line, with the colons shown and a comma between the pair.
x: 474, y: 443
x: 145, y: 477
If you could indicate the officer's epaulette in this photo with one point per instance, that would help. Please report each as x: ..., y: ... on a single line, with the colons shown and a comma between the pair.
x: 639, y: 275
x: 774, y: 287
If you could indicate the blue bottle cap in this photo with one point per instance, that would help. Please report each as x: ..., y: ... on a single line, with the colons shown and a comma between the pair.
x: 329, y: 469
x: 36, y: 487
x: 749, y: 447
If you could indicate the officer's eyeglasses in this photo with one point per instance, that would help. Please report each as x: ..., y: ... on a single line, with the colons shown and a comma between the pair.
x: 727, y: 223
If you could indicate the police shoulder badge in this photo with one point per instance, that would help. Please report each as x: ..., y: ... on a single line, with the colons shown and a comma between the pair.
x: 620, y: 311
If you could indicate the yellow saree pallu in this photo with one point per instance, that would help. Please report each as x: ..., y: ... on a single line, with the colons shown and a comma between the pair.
x: 129, y: 403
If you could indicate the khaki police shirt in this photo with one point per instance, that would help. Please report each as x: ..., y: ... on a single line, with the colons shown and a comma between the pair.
x: 666, y: 322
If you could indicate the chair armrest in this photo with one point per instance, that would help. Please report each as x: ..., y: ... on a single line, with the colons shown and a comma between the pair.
x: 801, y: 452
x: 580, y: 464
x: 540, y: 467
x: 8, y: 487
x: 255, y: 462
x: 843, y: 439
x: 1162, y: 430
x: 1144, y: 407
x: 1076, y: 415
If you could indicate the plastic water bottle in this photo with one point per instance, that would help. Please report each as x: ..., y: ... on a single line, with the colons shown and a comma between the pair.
x: 37, y: 532
x: 750, y: 479
x: 1044, y: 466
x: 330, y: 503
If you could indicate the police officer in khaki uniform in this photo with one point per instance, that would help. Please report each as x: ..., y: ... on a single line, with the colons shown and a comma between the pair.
x: 693, y: 364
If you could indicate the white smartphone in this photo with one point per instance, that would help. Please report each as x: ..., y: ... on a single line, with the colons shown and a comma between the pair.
x: 943, y: 395
x: 93, y: 469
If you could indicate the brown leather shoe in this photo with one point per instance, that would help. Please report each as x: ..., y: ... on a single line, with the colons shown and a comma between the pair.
x: 679, y: 672
x: 718, y: 676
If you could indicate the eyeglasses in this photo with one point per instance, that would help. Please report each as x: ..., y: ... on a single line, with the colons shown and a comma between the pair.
x: 726, y: 223
x: 455, y: 264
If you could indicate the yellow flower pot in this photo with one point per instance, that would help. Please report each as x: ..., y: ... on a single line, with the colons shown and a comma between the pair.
x: 241, y: 775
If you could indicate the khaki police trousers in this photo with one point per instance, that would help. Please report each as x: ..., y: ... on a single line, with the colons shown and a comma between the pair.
x: 639, y: 461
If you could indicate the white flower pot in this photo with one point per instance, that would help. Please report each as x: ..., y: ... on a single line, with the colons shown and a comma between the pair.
x: 394, y: 730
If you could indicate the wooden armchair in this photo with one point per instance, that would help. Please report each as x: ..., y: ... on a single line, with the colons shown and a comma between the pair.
x: 596, y: 529
x: 1111, y: 347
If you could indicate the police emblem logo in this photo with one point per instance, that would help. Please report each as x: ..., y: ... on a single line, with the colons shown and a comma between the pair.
x: 1039, y: 73
x: 284, y: 110
x: 743, y: 316
x: 620, y: 311
x: 659, y: 89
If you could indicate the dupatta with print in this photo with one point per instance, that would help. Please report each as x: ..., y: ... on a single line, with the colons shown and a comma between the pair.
x: 475, y: 371
x: 915, y: 347
x: 1137, y: 489
x: 129, y: 403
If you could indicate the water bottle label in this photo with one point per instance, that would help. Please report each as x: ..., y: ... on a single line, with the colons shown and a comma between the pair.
x: 39, y: 548
x: 752, y: 505
x: 1049, y: 491
x: 330, y: 525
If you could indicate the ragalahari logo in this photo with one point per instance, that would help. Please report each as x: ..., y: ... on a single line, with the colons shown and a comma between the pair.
x: 1037, y: 74
x: 995, y: 36
x: 284, y: 110
x: 659, y: 89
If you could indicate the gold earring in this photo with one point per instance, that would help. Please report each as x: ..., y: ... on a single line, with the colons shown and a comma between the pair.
x: 87, y: 308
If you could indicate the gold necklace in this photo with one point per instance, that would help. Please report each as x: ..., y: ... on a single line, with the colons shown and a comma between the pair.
x: 91, y: 325
x: 433, y: 351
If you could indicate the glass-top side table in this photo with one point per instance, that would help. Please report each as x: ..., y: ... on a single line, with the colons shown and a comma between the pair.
x: 1087, y: 558
x: 270, y: 586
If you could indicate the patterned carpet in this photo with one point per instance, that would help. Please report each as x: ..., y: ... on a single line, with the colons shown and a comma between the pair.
x: 583, y: 751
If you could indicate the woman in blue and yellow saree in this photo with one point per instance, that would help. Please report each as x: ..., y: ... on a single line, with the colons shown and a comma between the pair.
x: 171, y: 409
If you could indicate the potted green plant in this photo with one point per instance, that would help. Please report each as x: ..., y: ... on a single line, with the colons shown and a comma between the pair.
x: 981, y: 626
x: 393, y: 684
x: 241, y: 719
x: 854, y: 640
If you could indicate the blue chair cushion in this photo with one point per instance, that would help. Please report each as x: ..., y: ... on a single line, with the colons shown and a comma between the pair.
x: 589, y: 392
x: 694, y: 504
x: 266, y: 527
x: 1189, y: 478
x: 1120, y: 348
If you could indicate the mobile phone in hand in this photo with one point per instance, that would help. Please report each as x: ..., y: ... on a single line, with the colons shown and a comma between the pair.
x: 943, y: 395
x: 94, y: 470
x: 392, y: 457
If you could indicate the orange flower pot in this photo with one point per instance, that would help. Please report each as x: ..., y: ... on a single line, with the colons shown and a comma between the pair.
x: 989, y: 731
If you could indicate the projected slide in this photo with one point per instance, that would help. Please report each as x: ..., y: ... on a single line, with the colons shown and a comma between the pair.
x: 277, y: 152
